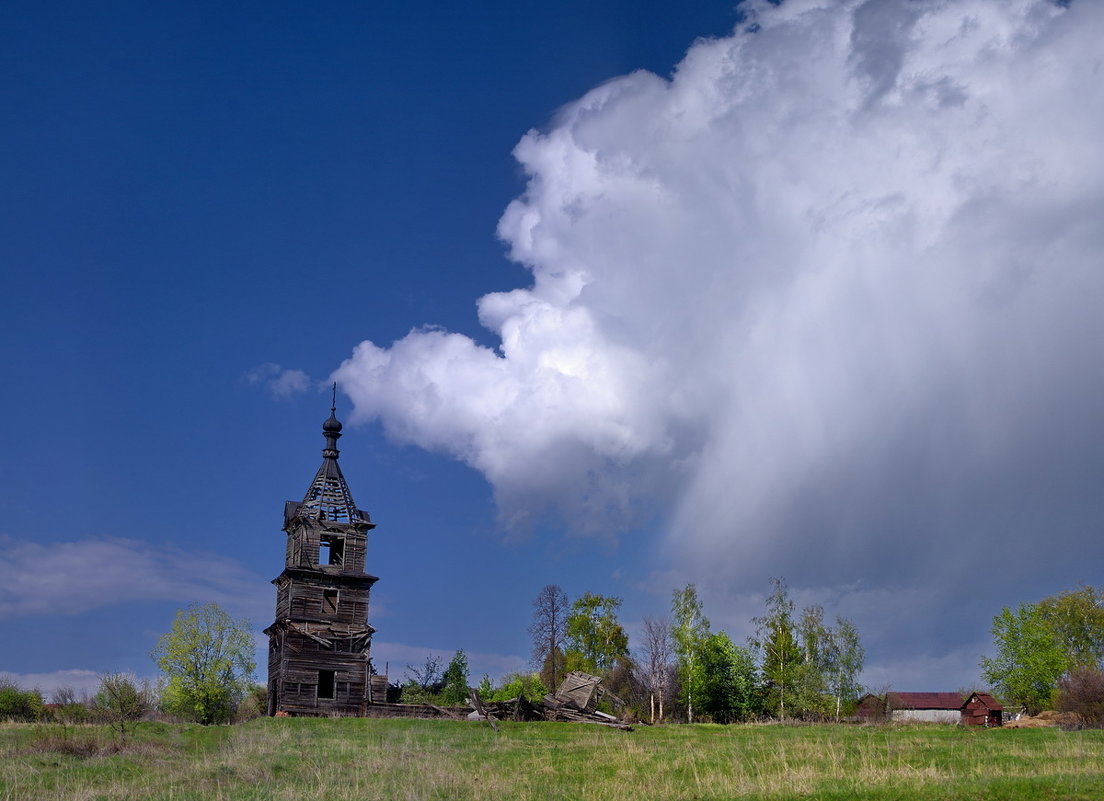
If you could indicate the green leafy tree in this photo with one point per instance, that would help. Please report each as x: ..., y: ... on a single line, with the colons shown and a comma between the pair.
x: 455, y: 678
x: 781, y: 655
x: 1030, y: 659
x: 1076, y: 618
x: 207, y: 658
x: 1039, y: 643
x: 727, y: 690
x: 689, y: 629
x: 486, y: 687
x: 595, y: 640
x: 121, y: 702
x: 810, y: 677
x: 845, y: 658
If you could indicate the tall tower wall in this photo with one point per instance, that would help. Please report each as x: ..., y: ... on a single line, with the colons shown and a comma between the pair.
x: 320, y: 641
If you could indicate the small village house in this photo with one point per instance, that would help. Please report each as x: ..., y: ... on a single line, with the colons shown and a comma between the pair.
x: 982, y: 709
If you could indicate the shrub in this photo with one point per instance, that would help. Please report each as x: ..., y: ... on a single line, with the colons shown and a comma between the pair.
x: 415, y: 693
x: 121, y: 702
x: 17, y: 704
x: 254, y: 705
x: 455, y: 679
x: 1081, y: 691
x: 71, y: 713
x: 525, y: 685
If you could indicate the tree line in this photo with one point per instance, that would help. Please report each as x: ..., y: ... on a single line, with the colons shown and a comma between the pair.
x: 1049, y: 655
x: 795, y: 666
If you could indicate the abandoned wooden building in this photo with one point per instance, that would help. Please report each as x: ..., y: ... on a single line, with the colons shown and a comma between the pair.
x: 982, y: 709
x: 319, y: 644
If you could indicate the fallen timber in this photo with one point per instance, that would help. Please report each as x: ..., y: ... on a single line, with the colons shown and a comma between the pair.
x: 575, y: 701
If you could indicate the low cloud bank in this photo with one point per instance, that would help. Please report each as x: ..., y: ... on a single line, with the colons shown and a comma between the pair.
x: 94, y: 573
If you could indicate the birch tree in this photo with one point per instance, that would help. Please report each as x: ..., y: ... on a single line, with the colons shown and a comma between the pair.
x: 845, y: 660
x: 594, y: 638
x: 658, y: 650
x: 689, y: 632
x: 774, y: 639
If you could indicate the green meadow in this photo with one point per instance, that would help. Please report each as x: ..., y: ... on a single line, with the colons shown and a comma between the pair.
x: 346, y: 759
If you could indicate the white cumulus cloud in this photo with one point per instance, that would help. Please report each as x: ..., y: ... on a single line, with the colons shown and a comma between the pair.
x: 825, y: 300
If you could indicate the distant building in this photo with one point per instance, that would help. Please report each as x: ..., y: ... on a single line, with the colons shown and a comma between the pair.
x: 319, y: 644
x: 871, y: 708
x: 925, y: 707
x: 982, y: 709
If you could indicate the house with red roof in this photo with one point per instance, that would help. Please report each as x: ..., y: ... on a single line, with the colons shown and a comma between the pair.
x: 982, y: 709
x: 925, y: 707
x: 979, y: 709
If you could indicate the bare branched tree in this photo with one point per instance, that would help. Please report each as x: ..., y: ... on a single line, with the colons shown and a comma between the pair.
x: 428, y: 674
x: 550, y: 612
x: 64, y: 696
x: 658, y: 651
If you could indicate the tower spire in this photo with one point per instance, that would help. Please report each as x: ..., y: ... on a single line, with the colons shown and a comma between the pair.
x: 331, y: 429
x: 328, y: 497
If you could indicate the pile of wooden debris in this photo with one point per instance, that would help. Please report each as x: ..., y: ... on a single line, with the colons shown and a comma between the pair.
x: 576, y: 700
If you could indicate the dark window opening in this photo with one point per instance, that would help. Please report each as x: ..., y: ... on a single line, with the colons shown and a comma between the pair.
x: 326, y: 684
x: 331, y: 551
x: 329, y: 601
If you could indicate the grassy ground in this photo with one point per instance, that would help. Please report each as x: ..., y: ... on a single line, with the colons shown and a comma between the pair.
x: 341, y: 760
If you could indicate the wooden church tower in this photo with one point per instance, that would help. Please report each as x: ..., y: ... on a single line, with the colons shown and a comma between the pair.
x: 318, y: 655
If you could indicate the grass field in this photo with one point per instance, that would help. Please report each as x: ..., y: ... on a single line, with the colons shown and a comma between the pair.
x: 345, y: 759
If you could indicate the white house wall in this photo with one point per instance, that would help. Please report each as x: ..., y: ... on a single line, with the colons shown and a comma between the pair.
x: 927, y: 715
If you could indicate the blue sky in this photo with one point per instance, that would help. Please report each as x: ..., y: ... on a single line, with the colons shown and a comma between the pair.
x: 815, y: 301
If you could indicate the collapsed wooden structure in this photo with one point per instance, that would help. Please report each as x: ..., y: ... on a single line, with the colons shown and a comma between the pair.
x: 576, y: 700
